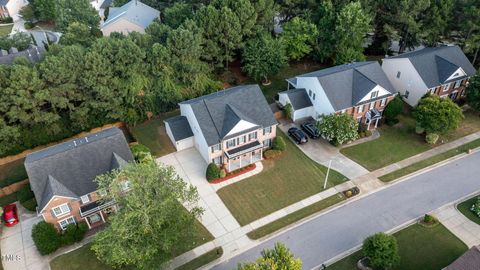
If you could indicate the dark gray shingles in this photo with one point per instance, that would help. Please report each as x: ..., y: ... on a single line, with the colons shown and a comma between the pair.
x: 433, y: 71
x: 299, y: 98
x: 33, y: 54
x: 74, y: 164
x: 180, y: 127
x: 468, y: 261
x: 106, y: 3
x: 245, y: 101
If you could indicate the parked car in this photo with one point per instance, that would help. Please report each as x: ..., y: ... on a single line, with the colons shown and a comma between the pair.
x: 311, y: 130
x: 10, y: 216
x: 297, y: 135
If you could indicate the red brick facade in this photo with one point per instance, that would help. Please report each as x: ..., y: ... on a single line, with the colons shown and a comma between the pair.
x: 358, y: 112
x: 4, y: 12
x: 450, y: 90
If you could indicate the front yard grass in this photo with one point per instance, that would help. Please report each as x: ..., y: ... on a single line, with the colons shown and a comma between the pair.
x: 464, y: 208
x: 152, y: 134
x: 400, y: 142
x: 85, y: 258
x: 429, y: 161
x: 420, y: 247
x: 295, y: 216
x: 202, y: 260
x: 283, y: 181
x: 5, y: 30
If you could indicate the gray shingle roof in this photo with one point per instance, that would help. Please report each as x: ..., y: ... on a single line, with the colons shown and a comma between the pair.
x: 180, y: 127
x: 436, y: 64
x: 106, y: 3
x: 345, y: 85
x: 135, y: 12
x: 218, y: 112
x: 298, y: 98
x: 69, y: 168
x: 4, y: 2
x: 468, y: 261
x: 33, y: 54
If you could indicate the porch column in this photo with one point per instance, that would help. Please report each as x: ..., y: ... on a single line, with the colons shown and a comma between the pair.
x: 261, y: 153
x: 368, y: 127
x: 376, y: 123
x: 228, y: 164
x: 251, y: 157
x: 240, y: 157
x: 101, y: 215
x: 88, y: 223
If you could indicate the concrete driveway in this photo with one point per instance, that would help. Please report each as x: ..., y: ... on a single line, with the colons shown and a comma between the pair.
x: 17, y: 247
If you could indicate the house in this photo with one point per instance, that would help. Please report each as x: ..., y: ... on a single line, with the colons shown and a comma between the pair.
x: 61, y: 177
x: 133, y: 16
x: 442, y: 71
x: 101, y: 6
x: 230, y: 127
x: 468, y: 261
x: 10, y: 8
x: 359, y: 89
x: 33, y: 54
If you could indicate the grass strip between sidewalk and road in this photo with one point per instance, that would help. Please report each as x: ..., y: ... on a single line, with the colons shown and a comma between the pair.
x: 464, y: 208
x: 295, y: 216
x: 202, y: 260
x: 429, y: 161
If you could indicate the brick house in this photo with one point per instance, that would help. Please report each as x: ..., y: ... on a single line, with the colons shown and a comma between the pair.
x: 230, y: 127
x: 10, y: 8
x: 442, y: 71
x: 359, y: 89
x: 62, y: 177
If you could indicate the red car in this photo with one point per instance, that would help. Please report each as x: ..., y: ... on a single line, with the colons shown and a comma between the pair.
x: 10, y: 216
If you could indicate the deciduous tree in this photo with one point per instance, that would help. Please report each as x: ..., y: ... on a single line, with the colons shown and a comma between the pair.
x: 382, y: 251
x: 338, y: 128
x: 280, y: 257
x: 299, y: 37
x: 473, y: 92
x: 437, y: 115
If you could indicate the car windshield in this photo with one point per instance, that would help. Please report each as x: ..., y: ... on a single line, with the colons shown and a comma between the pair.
x: 10, y: 220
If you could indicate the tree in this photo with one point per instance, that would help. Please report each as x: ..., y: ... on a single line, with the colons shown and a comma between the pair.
x: 338, y: 128
x: 280, y: 257
x: 326, y: 23
x: 263, y: 57
x: 299, y: 37
x: 46, y: 237
x: 151, y: 221
x: 44, y: 10
x: 473, y: 92
x: 437, y: 115
x: 78, y: 33
x: 352, y: 26
x: 436, y: 21
x: 213, y: 171
x: 393, y: 109
x: 177, y: 14
x: 382, y: 251
x: 69, y: 11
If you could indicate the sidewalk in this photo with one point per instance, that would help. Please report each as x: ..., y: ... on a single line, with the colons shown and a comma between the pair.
x: 458, y: 224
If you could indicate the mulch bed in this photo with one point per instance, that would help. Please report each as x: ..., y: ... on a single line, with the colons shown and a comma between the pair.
x: 235, y: 173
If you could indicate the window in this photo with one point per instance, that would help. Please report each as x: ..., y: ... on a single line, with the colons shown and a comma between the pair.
x: 125, y: 185
x: 407, y: 94
x: 253, y: 135
x: 85, y: 199
x: 458, y: 83
x: 267, y: 143
x: 313, y: 96
x: 217, y: 160
x: 61, y: 210
x: 310, y: 92
x: 215, y: 148
x: 374, y: 94
x: 372, y: 105
x: 64, y: 222
x: 398, y: 74
x: 383, y: 102
x: 446, y: 87
x: 231, y: 143
x: 267, y: 130
x: 360, y: 109
x: 241, y: 140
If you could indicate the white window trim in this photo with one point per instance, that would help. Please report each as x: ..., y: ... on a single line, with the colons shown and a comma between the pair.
x: 68, y: 223
x: 360, y: 109
x: 372, y: 105
x: 383, y: 102
x: 125, y: 185
x: 446, y: 87
x: 102, y: 192
x: 459, y: 82
x: 85, y: 199
x: 60, y: 207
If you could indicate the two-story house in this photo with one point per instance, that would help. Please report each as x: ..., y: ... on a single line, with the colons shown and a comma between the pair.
x: 230, y: 127
x: 359, y: 89
x: 442, y: 71
x: 11, y: 8
x: 62, y: 177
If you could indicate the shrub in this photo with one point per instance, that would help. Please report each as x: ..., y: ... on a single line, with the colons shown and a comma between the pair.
x: 368, y: 133
x: 428, y: 219
x: 392, y: 122
x: 24, y: 194
x: 338, y: 128
x: 419, y: 129
x: 476, y: 207
x: 213, y: 171
x: 432, y: 138
x: 223, y: 173
x: 278, y: 144
x: 45, y: 237
x: 269, y: 154
x: 140, y: 151
x: 30, y: 204
x: 82, y: 228
x: 382, y: 251
x: 393, y: 109
x: 437, y: 115
x: 288, y: 110
x: 6, y: 20
x: 29, y: 25
x: 68, y: 235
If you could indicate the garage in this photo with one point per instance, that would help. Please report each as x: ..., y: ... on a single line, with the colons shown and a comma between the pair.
x: 179, y: 131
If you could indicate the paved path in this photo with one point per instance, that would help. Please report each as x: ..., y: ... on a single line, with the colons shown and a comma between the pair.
x: 314, y: 242
x: 458, y: 224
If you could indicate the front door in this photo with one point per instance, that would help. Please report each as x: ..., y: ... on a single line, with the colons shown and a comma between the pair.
x: 453, y: 96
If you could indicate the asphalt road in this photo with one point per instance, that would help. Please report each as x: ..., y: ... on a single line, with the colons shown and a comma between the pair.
x: 333, y: 233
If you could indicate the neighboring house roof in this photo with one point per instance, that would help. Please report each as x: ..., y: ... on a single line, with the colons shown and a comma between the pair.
x: 179, y: 127
x: 219, y: 112
x: 135, y: 12
x: 106, y: 3
x: 68, y: 169
x: 33, y: 54
x: 345, y: 85
x: 298, y: 98
x: 4, y: 2
x: 436, y: 64
x: 468, y: 261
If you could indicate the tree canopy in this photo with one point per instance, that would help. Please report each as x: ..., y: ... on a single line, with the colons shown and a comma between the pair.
x: 299, y: 37
x: 280, y: 257
x: 437, y: 115
x: 382, y: 251
x: 473, y: 92
x: 338, y: 128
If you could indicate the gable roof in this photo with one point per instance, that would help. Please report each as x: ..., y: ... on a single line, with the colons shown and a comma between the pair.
x: 345, y: 85
x: 436, y: 64
x: 179, y: 127
x: 470, y: 260
x: 219, y: 112
x: 135, y: 12
x: 298, y: 98
x: 33, y: 54
x: 68, y: 169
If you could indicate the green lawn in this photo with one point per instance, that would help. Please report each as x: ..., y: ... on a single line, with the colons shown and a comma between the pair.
x: 153, y: 135
x: 5, y: 30
x: 202, y: 260
x: 400, y: 142
x: 420, y: 247
x: 12, y: 172
x: 464, y: 208
x: 283, y: 181
x: 84, y: 258
x: 295, y: 216
x: 429, y: 161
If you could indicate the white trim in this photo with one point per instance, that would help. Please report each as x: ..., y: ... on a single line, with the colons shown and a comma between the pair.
x: 60, y: 207
x: 53, y: 197
x: 85, y: 199
x: 68, y: 223
x: 446, y: 87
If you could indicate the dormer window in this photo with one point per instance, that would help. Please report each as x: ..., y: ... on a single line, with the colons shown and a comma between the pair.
x: 85, y: 199
x: 374, y: 94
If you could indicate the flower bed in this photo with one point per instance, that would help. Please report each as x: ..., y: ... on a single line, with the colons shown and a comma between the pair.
x: 235, y: 173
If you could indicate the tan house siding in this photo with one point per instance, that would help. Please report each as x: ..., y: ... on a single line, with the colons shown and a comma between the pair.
x: 121, y: 26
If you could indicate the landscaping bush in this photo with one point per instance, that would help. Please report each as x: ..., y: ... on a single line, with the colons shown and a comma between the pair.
x: 393, y: 109
x: 368, y: 133
x: 213, y: 171
x: 24, y: 194
x: 46, y: 238
x: 269, y: 154
x: 392, y: 122
x: 288, y: 110
x: 428, y: 219
x: 30, y: 204
x: 140, y: 151
x: 6, y: 20
x: 278, y: 144
x: 381, y: 250
x: 223, y: 173
x: 419, y: 129
x: 338, y: 128
x: 476, y: 207
x: 29, y: 25
x: 432, y: 138
x: 73, y: 233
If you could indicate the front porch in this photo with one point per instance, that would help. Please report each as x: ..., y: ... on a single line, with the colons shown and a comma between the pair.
x: 372, y: 118
x: 243, y: 156
x: 96, y: 213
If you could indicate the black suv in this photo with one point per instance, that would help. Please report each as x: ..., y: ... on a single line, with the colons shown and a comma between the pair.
x: 311, y: 130
x: 297, y: 135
